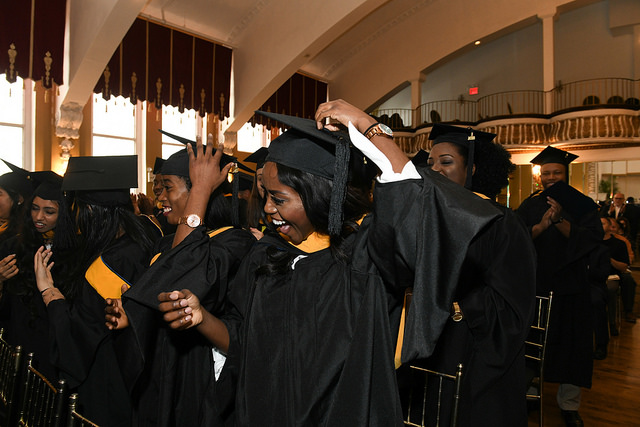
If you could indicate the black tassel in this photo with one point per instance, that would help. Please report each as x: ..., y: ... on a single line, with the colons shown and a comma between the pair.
x: 339, y: 191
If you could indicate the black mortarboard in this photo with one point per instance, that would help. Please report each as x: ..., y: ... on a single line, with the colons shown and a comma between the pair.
x: 553, y: 155
x: 103, y: 180
x: 571, y: 200
x: 178, y: 163
x: 258, y: 157
x: 157, y: 165
x: 319, y: 152
x: 17, y: 180
x: 464, y: 137
x: 421, y: 158
x: 48, y: 185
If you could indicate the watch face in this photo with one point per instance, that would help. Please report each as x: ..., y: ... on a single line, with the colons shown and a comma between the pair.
x: 193, y: 220
x: 386, y: 129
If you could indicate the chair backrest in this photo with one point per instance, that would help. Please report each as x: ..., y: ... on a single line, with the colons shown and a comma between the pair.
x: 10, y: 359
x: 433, y: 393
x: 536, y: 347
x: 42, y: 402
x: 74, y: 419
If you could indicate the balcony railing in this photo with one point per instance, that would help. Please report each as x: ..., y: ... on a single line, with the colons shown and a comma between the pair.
x: 598, y: 92
x: 595, y: 93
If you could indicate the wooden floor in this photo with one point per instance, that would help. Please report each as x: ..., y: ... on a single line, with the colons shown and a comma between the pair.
x: 614, y: 398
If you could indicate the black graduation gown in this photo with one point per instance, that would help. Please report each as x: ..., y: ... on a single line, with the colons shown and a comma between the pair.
x: 170, y: 374
x: 23, y: 314
x: 314, y: 346
x: 496, y: 294
x: 82, y: 347
x: 562, y: 267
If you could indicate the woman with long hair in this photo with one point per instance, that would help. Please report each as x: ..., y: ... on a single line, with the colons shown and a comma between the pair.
x: 309, y: 335
x: 48, y: 222
x: 114, y: 250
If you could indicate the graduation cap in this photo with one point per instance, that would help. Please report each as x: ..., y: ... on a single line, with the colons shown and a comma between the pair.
x: 103, y: 180
x: 157, y: 165
x: 463, y: 137
x: 48, y: 185
x: 258, y: 157
x: 572, y: 201
x: 320, y: 152
x: 421, y: 158
x: 553, y: 155
x: 17, y: 180
x: 178, y: 163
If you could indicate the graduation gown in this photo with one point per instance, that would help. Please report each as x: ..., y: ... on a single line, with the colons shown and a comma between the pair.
x: 23, y: 314
x: 314, y: 344
x: 171, y: 374
x: 496, y: 294
x: 82, y: 348
x: 562, y: 267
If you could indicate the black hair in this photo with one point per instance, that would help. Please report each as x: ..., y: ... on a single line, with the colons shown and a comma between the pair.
x: 315, y: 194
x: 255, y: 207
x: 492, y: 167
x: 16, y: 215
x: 27, y: 243
x: 100, y: 226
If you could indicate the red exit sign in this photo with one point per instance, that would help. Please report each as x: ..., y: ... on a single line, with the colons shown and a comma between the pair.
x: 473, y: 90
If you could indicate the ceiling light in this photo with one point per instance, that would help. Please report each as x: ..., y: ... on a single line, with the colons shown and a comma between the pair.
x: 477, y: 42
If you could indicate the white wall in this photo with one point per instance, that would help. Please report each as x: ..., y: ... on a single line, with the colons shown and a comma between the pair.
x: 585, y: 48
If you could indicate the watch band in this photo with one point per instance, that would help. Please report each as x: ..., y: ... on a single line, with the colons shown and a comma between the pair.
x: 376, y: 129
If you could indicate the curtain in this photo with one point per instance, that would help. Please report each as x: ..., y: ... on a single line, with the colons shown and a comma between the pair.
x: 32, y: 40
x: 162, y: 65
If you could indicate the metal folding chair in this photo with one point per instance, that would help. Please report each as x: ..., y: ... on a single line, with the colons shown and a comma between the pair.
x: 74, y: 419
x: 434, y: 389
x: 10, y: 359
x: 42, y: 402
x: 535, y: 349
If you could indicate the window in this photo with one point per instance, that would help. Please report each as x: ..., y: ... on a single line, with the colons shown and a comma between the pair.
x: 188, y: 124
x: 114, y: 126
x: 15, y: 123
x: 251, y: 138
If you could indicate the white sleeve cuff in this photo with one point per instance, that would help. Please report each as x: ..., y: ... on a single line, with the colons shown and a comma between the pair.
x: 376, y: 156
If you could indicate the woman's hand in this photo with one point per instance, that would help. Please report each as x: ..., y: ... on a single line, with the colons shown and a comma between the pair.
x: 182, y: 309
x: 114, y: 315
x: 8, y: 267
x: 343, y: 112
x: 204, y: 169
x: 42, y: 268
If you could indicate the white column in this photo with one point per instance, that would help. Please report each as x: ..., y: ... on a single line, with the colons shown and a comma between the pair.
x: 416, y: 99
x: 548, y: 76
x: 636, y: 52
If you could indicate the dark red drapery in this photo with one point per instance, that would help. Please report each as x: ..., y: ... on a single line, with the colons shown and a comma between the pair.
x: 32, y: 40
x: 165, y: 66
x: 299, y: 96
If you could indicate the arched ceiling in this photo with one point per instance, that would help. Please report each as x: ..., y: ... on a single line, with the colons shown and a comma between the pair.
x: 364, y: 49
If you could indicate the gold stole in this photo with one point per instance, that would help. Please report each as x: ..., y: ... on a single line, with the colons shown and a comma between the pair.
x: 104, y: 280
x: 408, y: 293
x: 4, y: 226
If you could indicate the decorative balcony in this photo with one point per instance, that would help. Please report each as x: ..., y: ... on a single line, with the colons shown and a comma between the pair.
x: 598, y: 113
